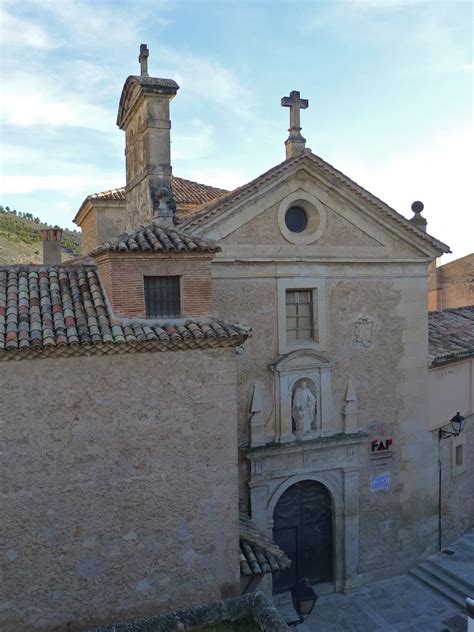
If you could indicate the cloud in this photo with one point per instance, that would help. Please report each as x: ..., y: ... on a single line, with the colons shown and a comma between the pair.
x: 103, y: 23
x: 68, y: 185
x: 439, y: 175
x: 61, y: 172
x: 421, y: 36
x: 194, y: 140
x: 32, y: 100
x: 18, y: 33
x: 209, y: 80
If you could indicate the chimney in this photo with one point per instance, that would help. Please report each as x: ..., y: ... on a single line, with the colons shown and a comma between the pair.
x: 51, y: 238
x: 144, y: 115
x: 417, y: 219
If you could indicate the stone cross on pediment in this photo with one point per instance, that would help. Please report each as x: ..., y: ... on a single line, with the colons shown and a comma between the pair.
x: 295, y: 143
x: 143, y: 59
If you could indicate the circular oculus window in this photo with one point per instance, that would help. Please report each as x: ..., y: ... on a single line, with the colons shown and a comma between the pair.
x: 301, y: 218
x: 296, y: 219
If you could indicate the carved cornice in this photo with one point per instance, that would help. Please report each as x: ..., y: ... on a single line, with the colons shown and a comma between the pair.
x: 309, y: 445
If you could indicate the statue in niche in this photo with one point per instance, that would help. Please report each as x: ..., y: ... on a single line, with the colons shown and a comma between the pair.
x: 303, y: 409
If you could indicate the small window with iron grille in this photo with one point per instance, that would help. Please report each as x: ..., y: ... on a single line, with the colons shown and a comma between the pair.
x: 299, y: 315
x: 162, y: 296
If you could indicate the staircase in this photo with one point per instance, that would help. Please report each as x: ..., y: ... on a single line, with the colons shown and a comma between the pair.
x: 451, y: 575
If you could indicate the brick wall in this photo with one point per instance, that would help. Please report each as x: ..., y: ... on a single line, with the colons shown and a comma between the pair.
x: 119, y: 487
x: 122, y: 276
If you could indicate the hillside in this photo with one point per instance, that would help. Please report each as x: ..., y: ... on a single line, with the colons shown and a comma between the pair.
x: 20, y: 238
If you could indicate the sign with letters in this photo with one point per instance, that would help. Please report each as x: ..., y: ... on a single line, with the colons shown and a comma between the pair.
x: 381, y: 449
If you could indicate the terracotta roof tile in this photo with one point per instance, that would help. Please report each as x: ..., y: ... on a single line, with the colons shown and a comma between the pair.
x: 156, y: 238
x: 258, y: 554
x: 451, y: 334
x: 59, y: 310
x: 186, y: 192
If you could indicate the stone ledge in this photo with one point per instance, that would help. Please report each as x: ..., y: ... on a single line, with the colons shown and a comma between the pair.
x: 255, y: 606
x: 310, y: 444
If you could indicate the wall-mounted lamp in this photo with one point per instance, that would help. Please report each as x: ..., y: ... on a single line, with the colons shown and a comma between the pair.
x: 454, y: 428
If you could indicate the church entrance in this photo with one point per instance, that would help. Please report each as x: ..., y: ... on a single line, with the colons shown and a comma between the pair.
x: 302, y: 527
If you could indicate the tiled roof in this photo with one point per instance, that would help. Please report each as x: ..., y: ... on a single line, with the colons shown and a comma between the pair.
x: 258, y: 554
x: 59, y: 310
x: 155, y: 238
x: 451, y: 334
x: 185, y: 192
x: 215, y: 207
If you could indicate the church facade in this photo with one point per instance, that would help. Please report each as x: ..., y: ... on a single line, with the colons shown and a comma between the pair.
x: 332, y: 390
x: 263, y: 350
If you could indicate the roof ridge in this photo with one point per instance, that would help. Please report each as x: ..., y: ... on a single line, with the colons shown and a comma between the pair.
x: 452, y: 309
x: 122, y: 188
x: 156, y: 237
x: 200, y: 213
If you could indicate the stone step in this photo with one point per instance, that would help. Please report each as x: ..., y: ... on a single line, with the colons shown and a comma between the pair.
x: 439, y: 585
x: 441, y: 570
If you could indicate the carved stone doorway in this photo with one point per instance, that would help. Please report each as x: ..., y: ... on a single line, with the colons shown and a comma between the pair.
x: 302, y: 527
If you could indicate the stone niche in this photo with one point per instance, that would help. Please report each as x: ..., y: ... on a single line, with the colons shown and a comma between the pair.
x: 303, y: 392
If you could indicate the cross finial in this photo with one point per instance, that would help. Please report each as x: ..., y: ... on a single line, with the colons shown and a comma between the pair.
x: 295, y: 143
x: 143, y: 59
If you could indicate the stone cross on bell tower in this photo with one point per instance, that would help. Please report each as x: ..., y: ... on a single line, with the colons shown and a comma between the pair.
x: 295, y: 143
x: 143, y: 59
x: 144, y: 116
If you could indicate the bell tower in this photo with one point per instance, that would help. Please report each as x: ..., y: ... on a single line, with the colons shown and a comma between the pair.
x: 144, y: 115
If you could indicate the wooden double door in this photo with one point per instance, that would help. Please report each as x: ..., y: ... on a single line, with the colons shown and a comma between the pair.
x: 302, y: 528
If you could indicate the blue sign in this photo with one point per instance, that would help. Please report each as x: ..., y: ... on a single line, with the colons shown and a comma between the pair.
x: 381, y: 481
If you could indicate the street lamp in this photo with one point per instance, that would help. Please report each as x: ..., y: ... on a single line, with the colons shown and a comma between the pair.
x: 304, y: 598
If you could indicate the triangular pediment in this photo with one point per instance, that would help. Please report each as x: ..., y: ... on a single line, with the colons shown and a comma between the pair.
x: 137, y: 87
x: 345, y: 217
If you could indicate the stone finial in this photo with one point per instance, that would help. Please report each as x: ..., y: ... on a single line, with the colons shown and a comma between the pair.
x: 350, y: 408
x: 417, y: 207
x: 164, y: 205
x: 295, y: 143
x: 257, y: 426
x: 143, y: 59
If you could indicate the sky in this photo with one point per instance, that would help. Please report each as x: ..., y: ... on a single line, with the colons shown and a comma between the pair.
x: 389, y: 84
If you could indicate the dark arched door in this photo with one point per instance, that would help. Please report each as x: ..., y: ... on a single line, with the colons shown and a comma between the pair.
x: 302, y: 527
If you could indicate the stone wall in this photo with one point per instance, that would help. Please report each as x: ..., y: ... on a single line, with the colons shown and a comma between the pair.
x: 90, y: 239
x: 452, y: 284
x: 119, y: 487
x: 451, y: 389
x: 457, y: 497
x: 122, y: 278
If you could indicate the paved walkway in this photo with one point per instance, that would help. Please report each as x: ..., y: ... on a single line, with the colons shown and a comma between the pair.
x: 398, y: 604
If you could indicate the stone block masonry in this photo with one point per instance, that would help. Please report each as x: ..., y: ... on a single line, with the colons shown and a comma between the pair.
x: 111, y: 485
